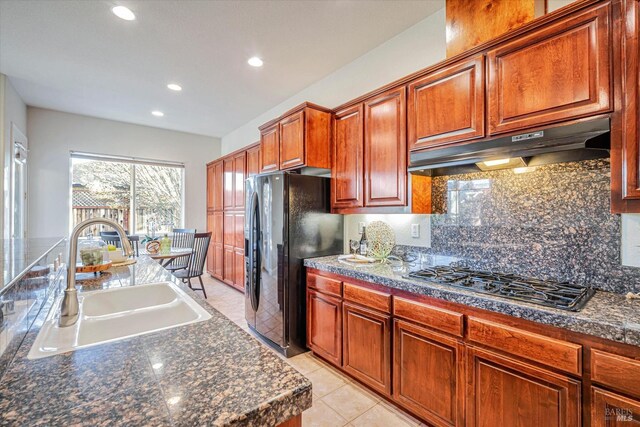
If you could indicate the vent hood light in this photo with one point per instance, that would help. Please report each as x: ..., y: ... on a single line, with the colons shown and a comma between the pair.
x: 490, y: 165
x: 524, y: 170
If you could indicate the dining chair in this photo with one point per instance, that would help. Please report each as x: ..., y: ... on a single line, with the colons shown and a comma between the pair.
x: 182, y: 238
x: 195, y: 264
x: 113, y: 238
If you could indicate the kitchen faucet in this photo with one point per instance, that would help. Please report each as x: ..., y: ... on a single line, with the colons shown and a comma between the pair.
x: 69, y: 307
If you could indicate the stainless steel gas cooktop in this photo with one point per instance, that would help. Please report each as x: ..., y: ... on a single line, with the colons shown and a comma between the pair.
x: 562, y: 295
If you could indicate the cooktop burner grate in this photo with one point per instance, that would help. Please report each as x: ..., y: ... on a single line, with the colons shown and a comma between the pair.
x: 550, y: 293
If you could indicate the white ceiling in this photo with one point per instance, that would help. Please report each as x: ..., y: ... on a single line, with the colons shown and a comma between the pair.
x: 76, y: 56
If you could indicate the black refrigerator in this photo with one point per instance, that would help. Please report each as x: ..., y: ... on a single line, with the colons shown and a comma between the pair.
x: 287, y: 220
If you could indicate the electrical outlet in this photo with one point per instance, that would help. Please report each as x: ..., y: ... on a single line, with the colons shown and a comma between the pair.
x: 360, y: 227
x: 415, y: 231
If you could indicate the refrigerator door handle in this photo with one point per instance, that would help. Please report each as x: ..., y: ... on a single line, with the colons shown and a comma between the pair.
x: 255, y: 256
x: 249, y: 249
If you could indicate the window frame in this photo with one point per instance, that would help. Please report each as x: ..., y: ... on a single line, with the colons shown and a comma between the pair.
x: 133, y: 161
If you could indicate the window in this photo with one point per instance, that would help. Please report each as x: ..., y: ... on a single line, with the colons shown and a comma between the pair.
x: 114, y: 188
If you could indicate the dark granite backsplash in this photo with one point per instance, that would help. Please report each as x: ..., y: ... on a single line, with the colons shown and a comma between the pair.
x: 550, y: 222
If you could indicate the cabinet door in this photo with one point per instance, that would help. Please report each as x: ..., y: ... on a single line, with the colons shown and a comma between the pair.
x: 428, y: 374
x: 554, y: 73
x: 210, y: 186
x: 270, y: 148
x: 347, y: 171
x: 367, y: 346
x: 324, y: 326
x: 218, y: 261
x: 447, y: 106
x: 292, y: 141
x: 238, y: 269
x: 239, y: 170
x: 238, y: 230
x: 253, y: 161
x: 385, y: 149
x: 229, y: 235
x: 228, y: 273
x: 505, y: 392
x: 210, y: 249
x: 229, y: 178
x: 218, y: 186
x: 218, y: 228
x: 613, y: 410
x: 625, y: 162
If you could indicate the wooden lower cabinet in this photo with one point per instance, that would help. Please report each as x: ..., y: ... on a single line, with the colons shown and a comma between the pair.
x: 218, y: 261
x: 613, y: 410
x: 228, y: 270
x: 505, y: 392
x: 366, y: 337
x: 428, y: 375
x: 324, y: 326
x: 452, y: 365
x: 238, y: 269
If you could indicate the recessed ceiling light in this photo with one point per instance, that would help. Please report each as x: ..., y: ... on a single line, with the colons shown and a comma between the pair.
x: 174, y: 86
x: 157, y: 113
x: 123, y: 13
x: 254, y: 61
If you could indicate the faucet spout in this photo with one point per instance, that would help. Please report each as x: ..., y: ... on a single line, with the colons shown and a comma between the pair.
x: 69, y: 307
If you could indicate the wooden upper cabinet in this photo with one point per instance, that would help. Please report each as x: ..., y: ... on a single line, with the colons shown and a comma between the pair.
x: 270, y: 148
x: 210, y: 186
x: 253, y: 161
x: 301, y: 137
x: 292, y: 141
x: 239, y: 171
x: 447, y: 106
x: 625, y: 149
x: 554, y: 73
x: 347, y: 171
x: 504, y: 392
x: 472, y: 22
x: 215, y: 185
x: 385, y: 149
x: 228, y: 198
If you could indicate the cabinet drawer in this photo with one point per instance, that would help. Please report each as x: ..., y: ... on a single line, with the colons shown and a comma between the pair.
x: 557, y: 354
x: 324, y: 284
x: 367, y: 297
x: 619, y: 372
x: 432, y: 317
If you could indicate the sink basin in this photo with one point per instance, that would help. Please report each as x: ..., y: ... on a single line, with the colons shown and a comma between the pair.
x: 115, y: 314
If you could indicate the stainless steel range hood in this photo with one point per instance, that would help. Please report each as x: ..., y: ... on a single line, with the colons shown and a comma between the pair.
x: 578, y: 141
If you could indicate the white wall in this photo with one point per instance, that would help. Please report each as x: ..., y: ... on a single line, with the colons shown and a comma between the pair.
x: 415, y: 48
x: 14, y: 113
x: 557, y: 4
x: 400, y: 223
x: 53, y: 134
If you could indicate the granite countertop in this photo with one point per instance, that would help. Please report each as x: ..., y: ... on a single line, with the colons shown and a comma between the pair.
x: 19, y: 254
x: 606, y: 315
x: 207, y: 373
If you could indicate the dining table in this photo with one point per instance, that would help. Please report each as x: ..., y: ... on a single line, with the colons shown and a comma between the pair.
x: 166, y: 258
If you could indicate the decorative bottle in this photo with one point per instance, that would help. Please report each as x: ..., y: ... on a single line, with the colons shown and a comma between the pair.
x: 364, y: 244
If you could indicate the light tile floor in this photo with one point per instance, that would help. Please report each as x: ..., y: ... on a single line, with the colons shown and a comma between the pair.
x: 337, y: 399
